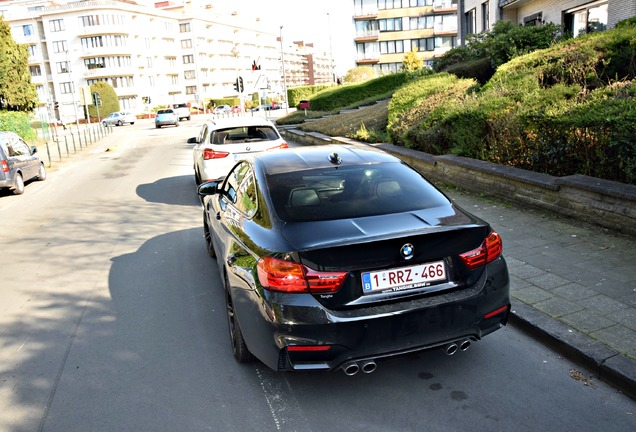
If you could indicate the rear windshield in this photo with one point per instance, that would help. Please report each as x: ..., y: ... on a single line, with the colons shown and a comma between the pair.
x: 165, y: 111
x: 351, y: 192
x: 180, y: 105
x: 243, y: 134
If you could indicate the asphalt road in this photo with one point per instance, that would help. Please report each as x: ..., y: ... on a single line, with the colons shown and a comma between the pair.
x: 112, y: 319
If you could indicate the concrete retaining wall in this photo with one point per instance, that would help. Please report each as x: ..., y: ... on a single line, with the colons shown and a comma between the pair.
x: 603, y: 203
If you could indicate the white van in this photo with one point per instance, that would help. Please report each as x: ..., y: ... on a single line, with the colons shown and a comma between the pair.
x: 182, y: 110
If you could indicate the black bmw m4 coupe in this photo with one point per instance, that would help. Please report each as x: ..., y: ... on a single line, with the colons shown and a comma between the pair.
x: 336, y: 257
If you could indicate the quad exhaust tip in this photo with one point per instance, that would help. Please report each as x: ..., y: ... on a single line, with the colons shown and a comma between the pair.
x: 452, y: 348
x: 352, y: 368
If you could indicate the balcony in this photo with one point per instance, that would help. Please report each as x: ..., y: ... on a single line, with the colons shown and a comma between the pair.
x: 444, y: 5
x: 105, y: 51
x: 365, y: 13
x: 368, y: 59
x: 367, y: 35
x: 109, y: 29
x: 449, y: 28
x: 108, y: 72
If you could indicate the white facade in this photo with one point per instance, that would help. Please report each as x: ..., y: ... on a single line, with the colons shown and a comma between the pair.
x: 171, y: 54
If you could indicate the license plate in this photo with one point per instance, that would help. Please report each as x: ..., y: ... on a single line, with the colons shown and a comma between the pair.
x: 403, y: 278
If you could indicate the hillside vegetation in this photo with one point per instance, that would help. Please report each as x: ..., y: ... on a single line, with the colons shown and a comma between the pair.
x: 567, y: 109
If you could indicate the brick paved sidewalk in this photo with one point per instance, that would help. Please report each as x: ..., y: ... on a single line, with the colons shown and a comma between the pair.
x: 570, y: 281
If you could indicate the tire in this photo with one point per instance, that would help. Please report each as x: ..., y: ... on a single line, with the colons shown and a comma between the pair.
x: 120, y: 123
x: 18, y: 189
x: 42, y: 173
x: 157, y: 126
x: 188, y: 118
x: 208, y: 239
x: 132, y: 123
x: 239, y: 348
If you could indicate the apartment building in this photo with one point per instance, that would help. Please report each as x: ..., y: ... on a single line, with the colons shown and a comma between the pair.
x: 385, y: 30
x: 156, y: 54
x: 575, y: 16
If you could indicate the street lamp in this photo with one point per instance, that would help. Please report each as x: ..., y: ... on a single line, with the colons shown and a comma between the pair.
x: 70, y: 79
x: 282, y: 58
x: 331, y: 66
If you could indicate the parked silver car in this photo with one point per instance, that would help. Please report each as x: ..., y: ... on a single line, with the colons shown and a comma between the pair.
x: 119, y: 118
x: 18, y: 163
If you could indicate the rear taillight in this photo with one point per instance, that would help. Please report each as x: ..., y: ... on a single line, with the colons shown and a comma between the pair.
x: 489, y: 251
x: 211, y: 154
x: 5, y: 165
x: 284, y: 276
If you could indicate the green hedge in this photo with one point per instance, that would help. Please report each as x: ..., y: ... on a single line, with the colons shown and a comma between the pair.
x: 567, y: 109
x: 18, y: 122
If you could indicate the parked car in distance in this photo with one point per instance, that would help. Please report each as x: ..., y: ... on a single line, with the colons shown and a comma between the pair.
x: 18, y: 163
x: 262, y: 108
x: 166, y: 117
x: 119, y: 118
x: 221, y: 142
x: 182, y: 110
x: 236, y: 109
x: 222, y: 109
x: 336, y: 257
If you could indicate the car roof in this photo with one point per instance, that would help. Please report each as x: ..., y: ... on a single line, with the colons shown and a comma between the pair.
x: 304, y: 158
x: 8, y: 136
x: 238, y: 122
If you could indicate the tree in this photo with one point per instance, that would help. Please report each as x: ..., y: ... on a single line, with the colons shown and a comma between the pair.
x: 17, y: 92
x: 411, y: 62
x: 360, y: 74
x: 110, y: 102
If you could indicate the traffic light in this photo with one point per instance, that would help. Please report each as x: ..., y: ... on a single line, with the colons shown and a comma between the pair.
x: 236, y: 85
x: 146, y: 99
x: 96, y: 100
x: 255, y: 66
x: 240, y: 84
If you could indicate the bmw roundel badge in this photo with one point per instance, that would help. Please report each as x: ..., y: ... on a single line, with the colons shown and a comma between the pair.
x: 407, y: 251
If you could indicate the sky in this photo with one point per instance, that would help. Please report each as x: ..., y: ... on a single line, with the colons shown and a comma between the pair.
x: 326, y: 23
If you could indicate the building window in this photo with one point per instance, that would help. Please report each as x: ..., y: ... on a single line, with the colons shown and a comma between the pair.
x: 393, y: 24
x: 172, y: 61
x: 470, y: 22
x: 57, y: 25
x: 95, y: 63
x: 151, y: 81
x: 149, y: 61
x: 35, y: 71
x: 33, y: 50
x: 174, y: 79
x: 586, y: 20
x: 191, y: 90
x: 533, y: 20
x: 415, y: 3
x: 59, y: 46
x: 66, y: 87
x: 184, y: 28
x: 186, y: 43
x: 187, y: 59
x: 392, y: 47
x: 61, y: 67
x: 485, y: 16
x: 27, y: 30
x: 189, y: 74
x: 423, y: 22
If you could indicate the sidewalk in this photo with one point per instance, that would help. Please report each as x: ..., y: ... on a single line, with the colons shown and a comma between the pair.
x: 572, y: 283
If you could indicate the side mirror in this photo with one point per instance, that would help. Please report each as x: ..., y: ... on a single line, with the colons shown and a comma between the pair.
x: 208, y: 188
x: 193, y: 140
x: 34, y: 150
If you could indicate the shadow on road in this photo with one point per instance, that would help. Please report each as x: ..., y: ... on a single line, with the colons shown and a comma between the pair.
x: 179, y: 190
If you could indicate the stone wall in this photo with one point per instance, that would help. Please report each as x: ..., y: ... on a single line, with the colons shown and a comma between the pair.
x: 603, y: 203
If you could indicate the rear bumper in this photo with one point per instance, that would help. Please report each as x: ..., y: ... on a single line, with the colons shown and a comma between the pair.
x: 372, y: 332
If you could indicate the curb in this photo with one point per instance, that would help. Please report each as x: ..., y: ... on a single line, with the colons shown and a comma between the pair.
x: 607, y: 364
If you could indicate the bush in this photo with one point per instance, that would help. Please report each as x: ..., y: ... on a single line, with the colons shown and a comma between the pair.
x: 18, y: 122
x: 352, y: 95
